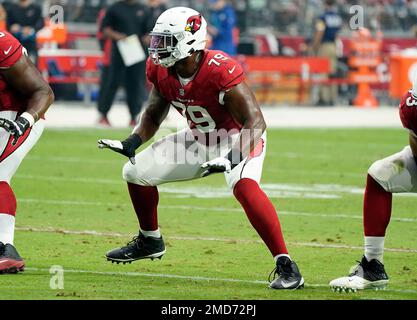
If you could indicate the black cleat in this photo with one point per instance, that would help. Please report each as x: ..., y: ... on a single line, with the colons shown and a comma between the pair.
x: 140, y: 247
x: 289, y: 277
x: 10, y: 260
x: 366, y: 275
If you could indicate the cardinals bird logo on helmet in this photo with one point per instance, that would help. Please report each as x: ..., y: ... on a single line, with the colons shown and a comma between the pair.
x: 177, y: 34
x: 193, y: 24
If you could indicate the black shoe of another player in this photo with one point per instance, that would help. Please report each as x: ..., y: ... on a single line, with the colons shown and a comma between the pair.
x: 140, y: 247
x: 289, y: 277
x: 10, y: 260
x: 366, y: 275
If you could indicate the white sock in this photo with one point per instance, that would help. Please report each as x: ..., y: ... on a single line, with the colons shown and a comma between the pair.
x: 7, y: 223
x: 374, y: 248
x: 281, y: 255
x: 155, y: 234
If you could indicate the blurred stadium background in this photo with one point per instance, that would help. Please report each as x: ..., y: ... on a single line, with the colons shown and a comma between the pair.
x: 273, y: 42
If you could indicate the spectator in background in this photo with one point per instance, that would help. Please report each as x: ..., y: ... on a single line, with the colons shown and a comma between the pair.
x: 106, y: 47
x: 323, y: 44
x: 3, y: 17
x: 156, y: 7
x: 124, y: 18
x: 24, y: 20
x: 6, y: 5
x: 222, y: 25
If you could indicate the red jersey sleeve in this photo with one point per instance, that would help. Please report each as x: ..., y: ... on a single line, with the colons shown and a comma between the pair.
x: 151, y: 72
x: 408, y: 111
x: 231, y: 75
x: 10, y: 50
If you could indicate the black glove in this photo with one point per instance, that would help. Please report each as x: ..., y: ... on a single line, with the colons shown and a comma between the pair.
x: 126, y: 147
x: 15, y: 128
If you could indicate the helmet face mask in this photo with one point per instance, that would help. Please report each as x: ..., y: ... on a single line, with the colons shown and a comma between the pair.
x: 177, y: 34
x: 163, y: 48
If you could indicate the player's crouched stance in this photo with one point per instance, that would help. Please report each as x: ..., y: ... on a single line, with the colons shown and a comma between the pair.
x: 207, y: 88
x: 394, y: 174
x: 24, y: 98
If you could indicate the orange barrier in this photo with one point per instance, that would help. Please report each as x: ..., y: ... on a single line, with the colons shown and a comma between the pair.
x: 402, y: 67
x: 67, y: 80
x: 286, y: 65
x: 266, y: 74
x: 365, y: 57
x: 71, y: 66
x: 69, y: 60
x: 273, y: 79
x: 282, y: 79
x: 52, y: 33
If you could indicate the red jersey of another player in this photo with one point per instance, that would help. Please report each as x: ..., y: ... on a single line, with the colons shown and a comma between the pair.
x: 201, y: 99
x: 10, y: 52
x: 408, y: 111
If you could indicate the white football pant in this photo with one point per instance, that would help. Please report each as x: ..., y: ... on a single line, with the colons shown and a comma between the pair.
x: 178, y: 157
x: 9, y: 165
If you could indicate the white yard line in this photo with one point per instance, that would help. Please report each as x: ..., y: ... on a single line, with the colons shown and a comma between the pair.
x: 192, y: 238
x: 277, y: 190
x: 191, y: 278
x: 75, y: 160
x: 118, y: 162
x: 68, y: 179
x: 307, y: 173
x: 207, y: 209
x: 154, y: 275
x: 266, y: 169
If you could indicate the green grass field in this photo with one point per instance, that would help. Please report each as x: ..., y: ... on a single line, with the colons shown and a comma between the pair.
x: 73, y: 207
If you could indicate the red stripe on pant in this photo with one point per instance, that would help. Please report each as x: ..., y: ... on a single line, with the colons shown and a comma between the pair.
x: 7, y: 199
x: 10, y: 147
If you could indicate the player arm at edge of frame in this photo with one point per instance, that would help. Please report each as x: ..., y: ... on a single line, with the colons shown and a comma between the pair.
x: 26, y: 79
x: 413, y: 144
x: 242, y: 105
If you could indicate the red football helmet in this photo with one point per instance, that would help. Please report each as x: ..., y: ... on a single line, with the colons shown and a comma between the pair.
x: 408, y: 111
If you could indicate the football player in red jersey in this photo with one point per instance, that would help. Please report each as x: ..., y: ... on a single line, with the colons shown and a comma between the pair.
x: 226, y: 133
x: 24, y: 99
x: 394, y: 174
